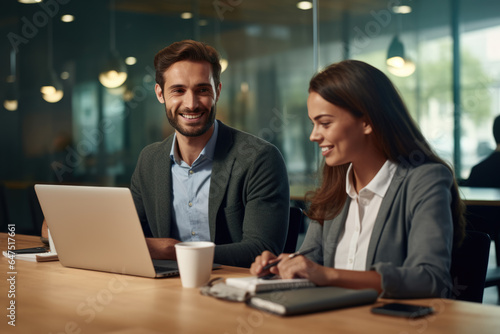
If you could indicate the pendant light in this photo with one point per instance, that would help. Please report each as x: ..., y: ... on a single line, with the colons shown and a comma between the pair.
x: 114, y: 71
x: 398, y: 63
x: 396, y: 53
x: 52, y: 88
x: 11, y: 97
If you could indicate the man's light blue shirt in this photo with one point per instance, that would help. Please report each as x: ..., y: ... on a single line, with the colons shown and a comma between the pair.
x: 190, y: 190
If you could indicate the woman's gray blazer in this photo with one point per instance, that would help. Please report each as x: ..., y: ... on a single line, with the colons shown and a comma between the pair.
x: 411, y: 242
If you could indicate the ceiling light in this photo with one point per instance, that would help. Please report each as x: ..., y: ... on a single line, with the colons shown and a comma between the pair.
x: 130, y: 60
x: 401, y: 9
x: 11, y: 92
x: 114, y: 72
x: 67, y: 18
x: 397, y: 62
x: 29, y: 1
x: 10, y: 105
x: 54, y: 97
x: 223, y: 64
x: 403, y: 71
x: 187, y: 15
x: 52, y: 88
x: 65, y: 75
x: 304, y: 5
x: 396, y: 53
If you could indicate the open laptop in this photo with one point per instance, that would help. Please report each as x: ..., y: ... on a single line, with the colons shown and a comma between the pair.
x: 98, y: 228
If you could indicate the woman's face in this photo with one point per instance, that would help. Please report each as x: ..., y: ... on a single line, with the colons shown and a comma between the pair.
x: 341, y: 137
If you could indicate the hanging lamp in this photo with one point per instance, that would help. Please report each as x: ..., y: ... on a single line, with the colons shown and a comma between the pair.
x: 398, y: 63
x: 114, y: 72
x: 11, y: 96
x: 52, y: 88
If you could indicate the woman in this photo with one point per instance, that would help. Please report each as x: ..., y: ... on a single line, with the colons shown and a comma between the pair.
x: 388, y: 212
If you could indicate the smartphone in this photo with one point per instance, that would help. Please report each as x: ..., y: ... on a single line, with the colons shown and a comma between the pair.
x: 30, y: 250
x: 403, y: 310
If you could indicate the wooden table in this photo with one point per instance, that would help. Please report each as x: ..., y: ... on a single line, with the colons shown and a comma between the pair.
x: 50, y: 298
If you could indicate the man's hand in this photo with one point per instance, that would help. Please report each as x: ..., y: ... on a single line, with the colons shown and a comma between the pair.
x: 162, y: 248
x: 45, y: 230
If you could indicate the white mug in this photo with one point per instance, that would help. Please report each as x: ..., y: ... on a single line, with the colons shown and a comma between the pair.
x: 195, y: 260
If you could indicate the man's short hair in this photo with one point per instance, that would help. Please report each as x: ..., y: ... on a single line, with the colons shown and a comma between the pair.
x: 186, y: 50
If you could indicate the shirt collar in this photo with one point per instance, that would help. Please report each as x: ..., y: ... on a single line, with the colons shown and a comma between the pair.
x: 378, y: 185
x: 207, y: 152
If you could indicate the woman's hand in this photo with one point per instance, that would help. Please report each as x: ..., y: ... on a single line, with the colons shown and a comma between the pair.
x: 257, y: 267
x: 296, y: 267
x: 302, y: 267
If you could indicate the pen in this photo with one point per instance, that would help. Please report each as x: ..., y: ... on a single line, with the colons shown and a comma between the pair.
x: 291, y: 256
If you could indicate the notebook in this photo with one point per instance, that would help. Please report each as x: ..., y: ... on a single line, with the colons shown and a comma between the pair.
x: 308, y: 300
x: 255, y: 284
x: 98, y: 228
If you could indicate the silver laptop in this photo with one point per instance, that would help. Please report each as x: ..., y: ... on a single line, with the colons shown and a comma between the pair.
x: 98, y: 228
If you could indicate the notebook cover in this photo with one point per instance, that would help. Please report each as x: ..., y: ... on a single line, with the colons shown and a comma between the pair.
x: 308, y: 300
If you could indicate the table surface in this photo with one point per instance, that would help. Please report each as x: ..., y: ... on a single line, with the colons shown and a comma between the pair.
x: 480, y: 196
x: 50, y: 298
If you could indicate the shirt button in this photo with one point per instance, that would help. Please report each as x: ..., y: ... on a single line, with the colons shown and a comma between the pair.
x: 191, y: 171
x: 193, y: 233
x: 190, y: 204
x: 350, y: 261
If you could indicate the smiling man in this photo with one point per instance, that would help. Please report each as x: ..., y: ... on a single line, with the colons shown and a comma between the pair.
x: 208, y: 181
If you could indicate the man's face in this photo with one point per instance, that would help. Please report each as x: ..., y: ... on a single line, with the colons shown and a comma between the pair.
x: 190, y: 97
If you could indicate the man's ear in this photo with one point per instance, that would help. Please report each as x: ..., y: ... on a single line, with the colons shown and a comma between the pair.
x: 159, y: 93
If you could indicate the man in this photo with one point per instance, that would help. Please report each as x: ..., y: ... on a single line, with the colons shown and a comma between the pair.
x: 207, y: 181
x: 487, y: 172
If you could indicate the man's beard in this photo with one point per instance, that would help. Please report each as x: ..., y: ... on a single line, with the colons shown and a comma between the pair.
x: 191, y: 131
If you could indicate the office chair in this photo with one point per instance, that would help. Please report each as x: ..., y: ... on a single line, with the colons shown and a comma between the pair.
x: 36, y: 213
x: 485, y: 219
x: 468, y: 267
x: 4, y: 216
x: 493, y: 279
x: 294, y: 225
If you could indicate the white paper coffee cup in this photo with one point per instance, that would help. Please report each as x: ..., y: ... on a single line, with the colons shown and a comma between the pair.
x: 195, y: 260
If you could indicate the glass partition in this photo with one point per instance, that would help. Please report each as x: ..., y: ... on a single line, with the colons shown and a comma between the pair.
x: 94, y: 134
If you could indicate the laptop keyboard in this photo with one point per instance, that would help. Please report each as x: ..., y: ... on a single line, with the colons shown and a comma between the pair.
x: 163, y: 268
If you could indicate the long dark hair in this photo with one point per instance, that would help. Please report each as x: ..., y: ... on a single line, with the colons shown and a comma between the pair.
x: 366, y: 92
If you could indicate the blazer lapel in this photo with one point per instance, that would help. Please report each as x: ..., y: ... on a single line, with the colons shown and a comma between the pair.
x: 383, y: 212
x: 221, y: 174
x: 332, y: 239
x: 164, y: 182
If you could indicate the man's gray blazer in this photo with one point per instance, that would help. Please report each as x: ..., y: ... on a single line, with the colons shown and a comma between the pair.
x: 248, y: 201
x: 411, y: 242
